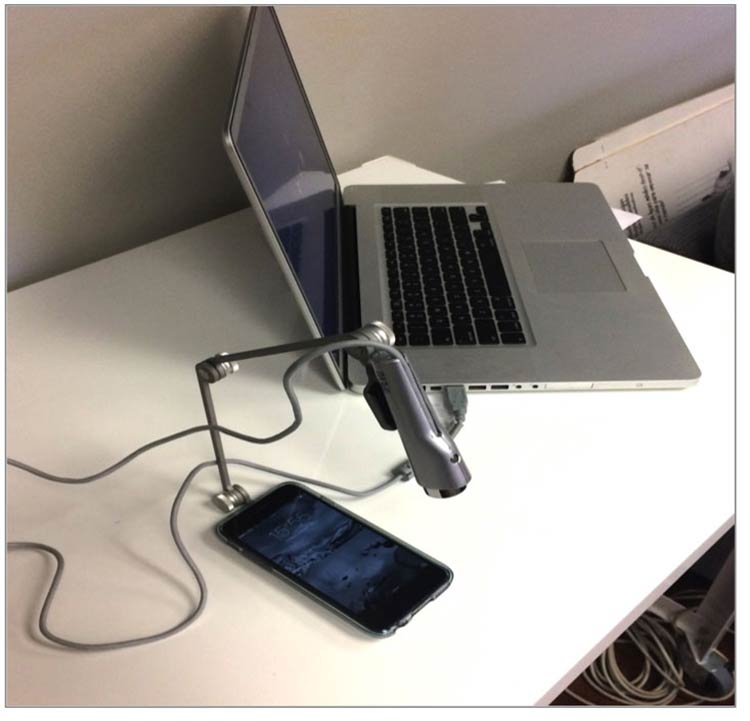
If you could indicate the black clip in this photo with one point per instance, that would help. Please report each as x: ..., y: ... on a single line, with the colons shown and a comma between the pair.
x: 375, y: 397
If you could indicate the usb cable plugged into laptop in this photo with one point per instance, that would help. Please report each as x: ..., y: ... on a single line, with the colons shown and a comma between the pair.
x: 456, y: 401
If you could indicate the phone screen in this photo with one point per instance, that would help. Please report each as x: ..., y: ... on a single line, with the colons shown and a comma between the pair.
x: 372, y: 578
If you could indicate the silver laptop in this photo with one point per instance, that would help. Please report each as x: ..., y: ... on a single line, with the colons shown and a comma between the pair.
x: 495, y: 287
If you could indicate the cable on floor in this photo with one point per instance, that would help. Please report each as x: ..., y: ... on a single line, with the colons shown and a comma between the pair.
x: 660, y: 679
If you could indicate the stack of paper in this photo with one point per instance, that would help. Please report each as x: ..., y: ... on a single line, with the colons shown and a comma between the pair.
x: 666, y: 165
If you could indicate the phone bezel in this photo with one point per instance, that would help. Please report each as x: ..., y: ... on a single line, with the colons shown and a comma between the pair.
x: 259, y: 508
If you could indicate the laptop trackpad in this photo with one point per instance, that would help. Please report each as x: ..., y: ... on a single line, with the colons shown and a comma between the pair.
x: 578, y: 266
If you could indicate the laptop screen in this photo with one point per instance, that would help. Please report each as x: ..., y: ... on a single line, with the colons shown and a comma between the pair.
x: 277, y: 140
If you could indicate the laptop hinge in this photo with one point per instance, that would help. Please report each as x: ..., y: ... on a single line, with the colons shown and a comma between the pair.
x: 351, y: 318
x: 350, y: 311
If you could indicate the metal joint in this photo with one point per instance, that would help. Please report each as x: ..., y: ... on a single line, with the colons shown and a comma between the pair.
x: 234, y: 497
x: 214, y: 369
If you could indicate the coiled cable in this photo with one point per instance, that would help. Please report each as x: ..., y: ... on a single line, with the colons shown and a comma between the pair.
x: 660, y: 679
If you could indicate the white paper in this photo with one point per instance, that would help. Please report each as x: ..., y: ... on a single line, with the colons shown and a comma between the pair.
x: 666, y: 165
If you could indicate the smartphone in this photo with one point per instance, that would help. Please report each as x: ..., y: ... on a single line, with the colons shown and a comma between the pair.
x: 357, y: 570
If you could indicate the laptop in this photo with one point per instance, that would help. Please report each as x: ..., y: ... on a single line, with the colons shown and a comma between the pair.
x: 498, y: 287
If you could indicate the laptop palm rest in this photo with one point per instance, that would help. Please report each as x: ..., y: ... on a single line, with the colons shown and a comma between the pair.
x: 579, y: 266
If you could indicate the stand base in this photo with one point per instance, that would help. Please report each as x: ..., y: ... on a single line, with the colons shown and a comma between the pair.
x: 235, y: 497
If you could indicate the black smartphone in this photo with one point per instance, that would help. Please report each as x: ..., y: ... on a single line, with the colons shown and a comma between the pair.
x: 364, y: 574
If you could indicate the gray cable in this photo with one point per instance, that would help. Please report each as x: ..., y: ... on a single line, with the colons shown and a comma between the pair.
x: 173, y: 517
x: 654, y: 639
x: 288, y: 383
x: 396, y: 476
x: 111, y: 645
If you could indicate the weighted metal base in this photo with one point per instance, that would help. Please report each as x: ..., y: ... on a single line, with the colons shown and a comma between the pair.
x: 235, y: 497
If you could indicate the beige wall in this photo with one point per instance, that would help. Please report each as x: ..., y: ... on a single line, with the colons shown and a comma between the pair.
x: 114, y: 113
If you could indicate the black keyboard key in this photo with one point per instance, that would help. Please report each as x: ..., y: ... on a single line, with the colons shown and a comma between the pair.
x: 482, y: 314
x: 479, y: 304
x: 451, y: 268
x: 458, y: 305
x: 464, y: 335
x: 506, y: 315
x: 461, y: 319
x: 486, y: 332
x: 509, y: 326
x: 442, y: 336
x: 513, y: 338
x: 502, y: 302
x: 481, y: 211
x: 419, y: 338
x: 399, y: 328
x: 484, y: 241
x: 494, y: 271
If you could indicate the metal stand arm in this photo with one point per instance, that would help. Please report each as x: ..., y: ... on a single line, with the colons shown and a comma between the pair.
x: 213, y: 369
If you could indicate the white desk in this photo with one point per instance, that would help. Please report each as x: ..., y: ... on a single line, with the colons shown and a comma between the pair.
x: 583, y: 506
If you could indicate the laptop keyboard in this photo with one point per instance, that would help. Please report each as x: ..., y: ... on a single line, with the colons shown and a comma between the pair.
x: 446, y: 280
